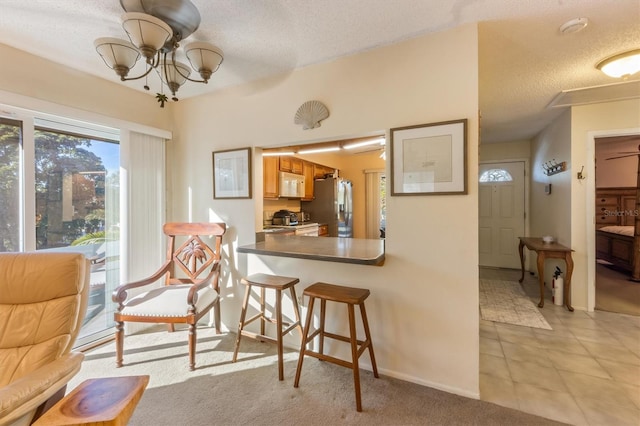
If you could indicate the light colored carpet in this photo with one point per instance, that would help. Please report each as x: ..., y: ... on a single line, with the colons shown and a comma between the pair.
x: 505, y: 301
x: 248, y: 392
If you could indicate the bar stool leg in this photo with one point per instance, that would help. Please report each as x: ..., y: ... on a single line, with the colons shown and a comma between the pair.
x: 296, y: 310
x: 263, y: 317
x: 363, y: 312
x: 243, y: 314
x: 323, y: 307
x: 279, y: 334
x: 354, y: 356
x: 303, y: 346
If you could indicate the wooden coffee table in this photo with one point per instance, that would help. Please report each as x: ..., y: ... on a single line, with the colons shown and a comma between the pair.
x: 105, y: 401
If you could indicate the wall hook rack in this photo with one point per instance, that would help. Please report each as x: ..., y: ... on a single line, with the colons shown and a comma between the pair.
x: 552, y: 167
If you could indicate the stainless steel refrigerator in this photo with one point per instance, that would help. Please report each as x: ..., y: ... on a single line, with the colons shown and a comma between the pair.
x: 332, y: 204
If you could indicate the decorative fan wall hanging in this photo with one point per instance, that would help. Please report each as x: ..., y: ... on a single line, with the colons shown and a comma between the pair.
x: 310, y: 114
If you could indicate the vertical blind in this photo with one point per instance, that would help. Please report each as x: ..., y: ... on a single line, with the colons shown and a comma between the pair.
x: 144, y: 161
x: 372, y: 201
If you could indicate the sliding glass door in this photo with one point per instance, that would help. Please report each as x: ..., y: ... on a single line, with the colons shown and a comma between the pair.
x: 63, y: 180
x: 77, y: 209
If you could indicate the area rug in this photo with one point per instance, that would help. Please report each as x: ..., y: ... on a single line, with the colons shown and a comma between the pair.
x: 505, y: 301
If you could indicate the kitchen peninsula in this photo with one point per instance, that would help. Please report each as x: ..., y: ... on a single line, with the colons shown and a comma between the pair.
x: 329, y: 249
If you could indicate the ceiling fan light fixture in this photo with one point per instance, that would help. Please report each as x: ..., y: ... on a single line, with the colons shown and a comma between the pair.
x: 146, y: 32
x: 119, y: 55
x: 173, y: 74
x: 204, y: 58
x: 155, y: 29
x: 621, y: 65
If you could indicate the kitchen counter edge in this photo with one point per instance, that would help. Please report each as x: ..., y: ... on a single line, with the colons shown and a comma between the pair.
x: 329, y: 249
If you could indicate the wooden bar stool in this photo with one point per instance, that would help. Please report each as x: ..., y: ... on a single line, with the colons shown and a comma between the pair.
x: 278, y: 284
x: 350, y: 296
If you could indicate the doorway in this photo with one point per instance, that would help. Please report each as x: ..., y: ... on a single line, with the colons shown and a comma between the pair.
x: 616, y: 168
x: 501, y: 212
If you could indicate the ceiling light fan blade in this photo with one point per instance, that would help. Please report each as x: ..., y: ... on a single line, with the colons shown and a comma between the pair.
x: 624, y: 156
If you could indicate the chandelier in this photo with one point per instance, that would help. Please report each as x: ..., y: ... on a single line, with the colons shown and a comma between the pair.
x: 155, y: 28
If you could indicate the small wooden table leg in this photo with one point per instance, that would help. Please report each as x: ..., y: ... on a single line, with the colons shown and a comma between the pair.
x: 567, y: 282
x: 540, y: 262
x: 279, y: 334
x: 520, y: 249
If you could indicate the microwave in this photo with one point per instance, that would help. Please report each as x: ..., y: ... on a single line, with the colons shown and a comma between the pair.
x: 291, y: 185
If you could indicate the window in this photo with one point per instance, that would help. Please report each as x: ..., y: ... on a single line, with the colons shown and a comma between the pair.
x: 70, y: 185
x: 495, y: 175
x: 10, y: 144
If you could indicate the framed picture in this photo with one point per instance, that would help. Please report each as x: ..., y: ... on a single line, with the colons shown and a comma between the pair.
x: 429, y: 159
x: 232, y: 173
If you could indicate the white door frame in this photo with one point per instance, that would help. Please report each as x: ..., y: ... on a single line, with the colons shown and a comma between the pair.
x: 590, y: 208
x: 527, y: 180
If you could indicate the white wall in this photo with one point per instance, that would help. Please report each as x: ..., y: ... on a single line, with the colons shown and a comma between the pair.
x: 423, y: 309
x: 516, y: 150
x: 39, y: 79
x: 551, y: 213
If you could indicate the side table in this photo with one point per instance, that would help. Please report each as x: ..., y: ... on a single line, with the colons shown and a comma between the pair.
x: 105, y: 401
x: 548, y: 251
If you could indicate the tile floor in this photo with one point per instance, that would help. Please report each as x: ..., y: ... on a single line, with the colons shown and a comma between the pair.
x: 586, y: 371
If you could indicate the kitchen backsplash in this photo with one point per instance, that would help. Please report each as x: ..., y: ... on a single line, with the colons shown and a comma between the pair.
x: 271, y: 206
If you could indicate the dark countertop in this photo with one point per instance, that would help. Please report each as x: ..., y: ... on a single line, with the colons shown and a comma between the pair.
x: 345, y: 250
x: 300, y: 225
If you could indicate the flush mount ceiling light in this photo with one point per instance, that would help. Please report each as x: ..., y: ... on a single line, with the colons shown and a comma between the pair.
x: 155, y: 28
x: 622, y: 65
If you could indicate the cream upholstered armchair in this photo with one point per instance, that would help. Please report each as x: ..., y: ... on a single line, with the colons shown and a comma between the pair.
x: 43, y: 300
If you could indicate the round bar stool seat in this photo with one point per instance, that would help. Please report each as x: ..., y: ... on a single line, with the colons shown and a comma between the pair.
x: 351, y: 297
x: 277, y: 283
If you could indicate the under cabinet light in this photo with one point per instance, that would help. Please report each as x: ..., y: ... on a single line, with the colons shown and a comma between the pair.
x: 319, y: 150
x: 378, y: 141
x: 276, y: 153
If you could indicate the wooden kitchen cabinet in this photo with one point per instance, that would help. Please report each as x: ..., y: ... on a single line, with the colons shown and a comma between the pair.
x: 285, y: 164
x: 270, y: 177
x: 272, y: 165
x: 296, y: 165
x: 291, y: 165
x: 307, y: 171
x: 319, y: 171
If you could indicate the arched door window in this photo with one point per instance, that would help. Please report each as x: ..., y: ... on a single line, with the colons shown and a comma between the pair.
x: 495, y: 175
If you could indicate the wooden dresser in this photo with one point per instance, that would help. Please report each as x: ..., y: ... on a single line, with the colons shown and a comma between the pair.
x: 615, y: 206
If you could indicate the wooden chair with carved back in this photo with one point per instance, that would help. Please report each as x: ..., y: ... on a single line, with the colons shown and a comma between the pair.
x: 191, y: 273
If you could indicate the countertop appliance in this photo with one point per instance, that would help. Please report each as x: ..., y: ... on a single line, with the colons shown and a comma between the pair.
x: 332, y: 204
x: 284, y: 217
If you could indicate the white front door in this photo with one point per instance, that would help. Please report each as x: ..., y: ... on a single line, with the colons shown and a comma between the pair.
x: 501, y: 213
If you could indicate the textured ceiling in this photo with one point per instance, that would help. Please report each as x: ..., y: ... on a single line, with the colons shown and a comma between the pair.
x: 524, y: 60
